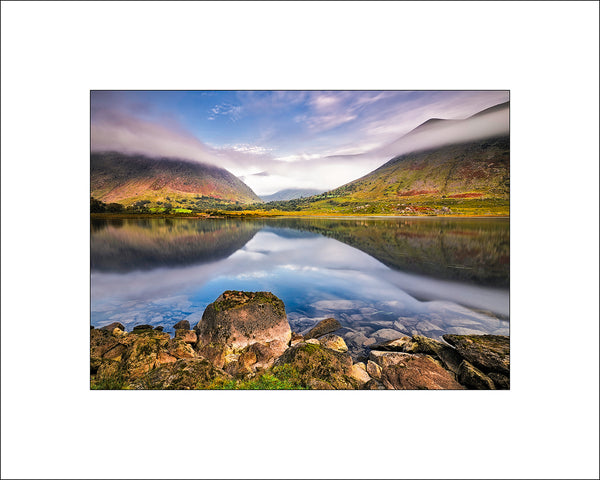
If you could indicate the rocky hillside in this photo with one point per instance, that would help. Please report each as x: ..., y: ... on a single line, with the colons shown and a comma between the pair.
x: 126, y: 179
x: 244, y: 341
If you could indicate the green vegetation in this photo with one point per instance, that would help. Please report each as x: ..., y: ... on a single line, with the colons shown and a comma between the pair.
x: 283, y: 377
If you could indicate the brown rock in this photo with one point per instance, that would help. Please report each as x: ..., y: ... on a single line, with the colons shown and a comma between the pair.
x: 473, y: 378
x: 316, y: 384
x: 296, y: 338
x: 179, y: 349
x: 187, y: 336
x: 373, y: 385
x: 247, y: 360
x: 112, y: 326
x: 359, y: 373
x: 182, y: 325
x: 490, y: 353
x: 238, y: 319
x: 374, y: 370
x: 142, y: 329
x: 418, y: 372
x: 214, y: 353
x: 164, y: 357
x: 329, y: 325
x: 333, y: 342
x: 502, y: 382
x: 384, y: 359
x: 115, y: 353
x: 396, y: 345
x: 187, y: 374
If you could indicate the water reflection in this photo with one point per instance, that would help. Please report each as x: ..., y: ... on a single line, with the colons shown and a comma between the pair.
x: 161, y: 272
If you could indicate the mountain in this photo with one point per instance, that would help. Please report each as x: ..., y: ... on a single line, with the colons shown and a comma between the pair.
x: 465, y: 170
x: 126, y: 179
x: 290, y: 194
x: 460, y: 165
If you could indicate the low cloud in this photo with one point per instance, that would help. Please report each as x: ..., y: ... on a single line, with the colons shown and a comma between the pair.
x: 373, y: 128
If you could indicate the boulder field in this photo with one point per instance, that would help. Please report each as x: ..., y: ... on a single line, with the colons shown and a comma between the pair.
x: 244, y: 341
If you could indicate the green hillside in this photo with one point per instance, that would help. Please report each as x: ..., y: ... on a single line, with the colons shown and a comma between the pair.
x: 470, y: 178
x: 127, y: 179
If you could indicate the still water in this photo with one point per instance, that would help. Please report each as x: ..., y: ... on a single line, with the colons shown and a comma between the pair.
x: 380, y: 277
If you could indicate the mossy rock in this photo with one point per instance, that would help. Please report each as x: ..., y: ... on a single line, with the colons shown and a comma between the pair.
x: 489, y: 353
x: 185, y: 374
x: 238, y: 319
x: 313, y: 362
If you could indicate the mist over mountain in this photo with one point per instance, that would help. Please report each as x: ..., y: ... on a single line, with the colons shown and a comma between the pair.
x: 126, y: 179
x: 290, y: 194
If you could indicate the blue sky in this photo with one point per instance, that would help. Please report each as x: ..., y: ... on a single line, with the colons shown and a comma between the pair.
x: 286, y: 137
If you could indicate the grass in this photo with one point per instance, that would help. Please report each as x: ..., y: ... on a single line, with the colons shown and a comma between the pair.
x: 283, y: 377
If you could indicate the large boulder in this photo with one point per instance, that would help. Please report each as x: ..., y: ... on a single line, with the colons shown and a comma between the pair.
x: 236, y: 320
x: 418, y: 372
x: 490, y: 353
x: 317, y: 367
x: 329, y: 325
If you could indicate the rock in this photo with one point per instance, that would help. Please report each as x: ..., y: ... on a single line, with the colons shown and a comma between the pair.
x: 296, y: 338
x: 214, y: 353
x: 333, y: 342
x: 418, y: 372
x: 313, y: 362
x: 115, y: 353
x: 180, y: 349
x: 142, y: 355
x: 313, y: 341
x: 396, y: 345
x: 164, y: 357
x: 142, y: 329
x: 181, y: 375
x: 187, y: 336
x: 247, y: 360
x: 238, y: 319
x: 329, y: 325
x: 473, y: 378
x: 385, y: 334
x: 112, y: 326
x: 267, y: 353
x: 384, y: 359
x: 160, y: 328
x: 100, y: 342
x: 490, y: 353
x: 359, y: 373
x: 182, y: 325
x: 117, y: 332
x: 373, y: 385
x: 316, y: 384
x: 374, y: 370
x: 502, y: 382
x: 421, y: 344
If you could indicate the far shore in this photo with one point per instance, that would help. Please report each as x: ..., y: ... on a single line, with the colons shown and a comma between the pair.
x: 201, y: 216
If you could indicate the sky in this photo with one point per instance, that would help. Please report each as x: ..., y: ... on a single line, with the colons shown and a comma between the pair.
x: 275, y: 140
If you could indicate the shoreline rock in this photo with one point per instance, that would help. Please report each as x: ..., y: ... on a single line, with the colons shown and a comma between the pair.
x: 244, y: 341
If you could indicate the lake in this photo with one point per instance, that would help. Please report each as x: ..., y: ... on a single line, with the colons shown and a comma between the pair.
x: 382, y: 278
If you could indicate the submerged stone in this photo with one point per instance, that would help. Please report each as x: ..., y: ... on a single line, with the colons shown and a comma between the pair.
x: 329, y: 325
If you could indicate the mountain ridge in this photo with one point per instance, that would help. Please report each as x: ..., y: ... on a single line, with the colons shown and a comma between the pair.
x: 128, y: 178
